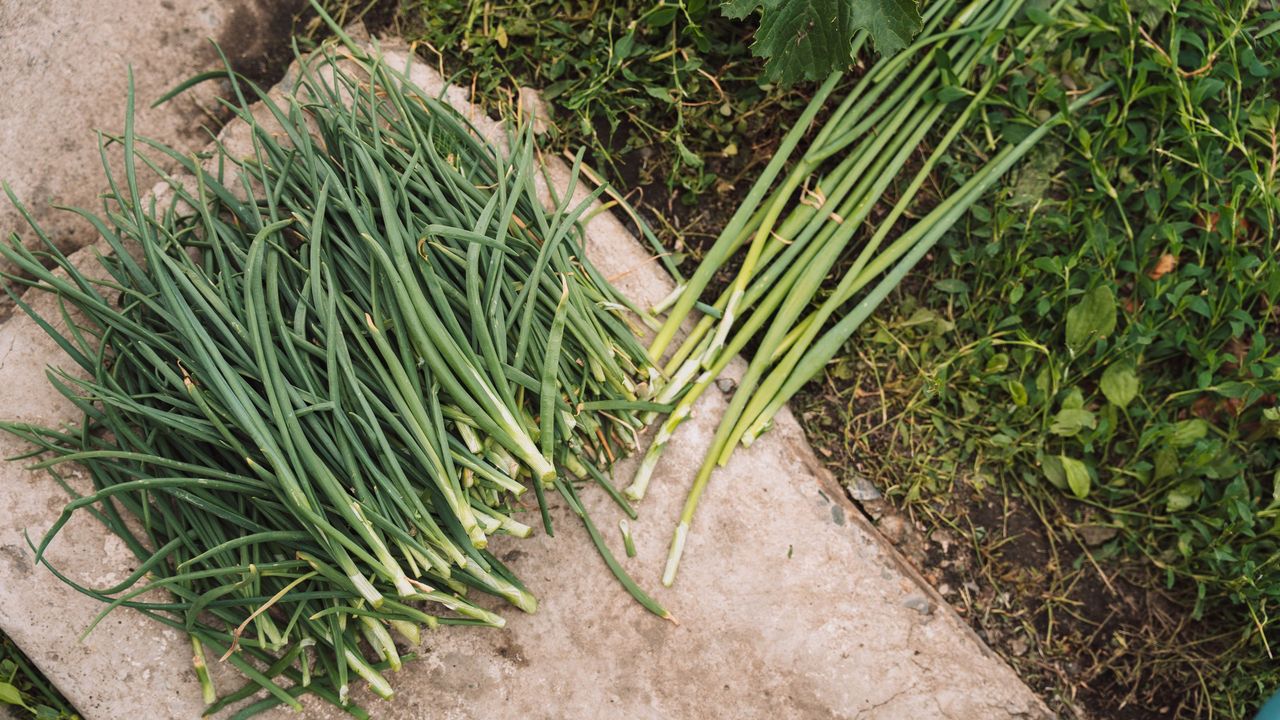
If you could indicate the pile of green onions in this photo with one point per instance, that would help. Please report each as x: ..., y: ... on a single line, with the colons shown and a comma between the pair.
x: 796, y: 230
x: 315, y: 381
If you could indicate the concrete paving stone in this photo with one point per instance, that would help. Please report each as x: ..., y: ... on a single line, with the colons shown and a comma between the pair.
x: 63, y: 75
x: 790, y: 604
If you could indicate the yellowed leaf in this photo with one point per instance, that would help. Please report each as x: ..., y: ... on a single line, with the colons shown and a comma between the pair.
x: 1164, y: 266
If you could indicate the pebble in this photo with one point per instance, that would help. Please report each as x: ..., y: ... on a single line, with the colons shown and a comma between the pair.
x: 894, y: 528
x: 919, y: 603
x: 1095, y: 535
x: 862, y: 489
x: 1018, y: 646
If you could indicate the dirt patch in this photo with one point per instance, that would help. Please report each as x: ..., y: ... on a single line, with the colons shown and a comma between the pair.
x: 686, y: 224
x: 1043, y: 584
x: 256, y: 38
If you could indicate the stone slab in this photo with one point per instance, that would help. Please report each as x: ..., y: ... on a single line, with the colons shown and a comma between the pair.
x: 64, y: 71
x: 790, y: 604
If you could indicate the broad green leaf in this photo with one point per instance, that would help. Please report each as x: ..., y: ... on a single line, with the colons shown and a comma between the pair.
x: 1044, y: 380
x: 1052, y: 467
x: 9, y: 695
x: 1166, y: 464
x: 1183, y: 495
x: 1018, y: 392
x: 662, y: 16
x: 1077, y: 476
x: 1184, y: 544
x: 660, y: 93
x: 1186, y: 432
x: 1074, y: 399
x: 1108, y: 421
x: 810, y: 39
x: 921, y: 316
x: 1091, y: 318
x: 1232, y: 389
x: 1070, y: 421
x: 1039, y: 16
x: 1119, y: 384
x: 690, y: 158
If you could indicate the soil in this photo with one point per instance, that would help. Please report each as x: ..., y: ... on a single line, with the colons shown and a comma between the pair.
x: 1097, y: 637
x: 696, y: 220
x: 254, y: 38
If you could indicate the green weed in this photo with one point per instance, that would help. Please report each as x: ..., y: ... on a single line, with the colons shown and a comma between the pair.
x: 665, y: 96
x: 1105, y: 328
x: 671, y: 84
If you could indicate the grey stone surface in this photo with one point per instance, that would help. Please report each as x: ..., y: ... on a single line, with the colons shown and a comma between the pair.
x: 789, y: 604
x: 63, y: 76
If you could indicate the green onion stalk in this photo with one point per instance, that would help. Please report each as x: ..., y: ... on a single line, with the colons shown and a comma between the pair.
x: 865, y: 144
x: 316, y: 378
x: 785, y: 248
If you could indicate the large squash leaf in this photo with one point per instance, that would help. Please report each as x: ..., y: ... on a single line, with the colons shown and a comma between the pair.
x: 808, y: 39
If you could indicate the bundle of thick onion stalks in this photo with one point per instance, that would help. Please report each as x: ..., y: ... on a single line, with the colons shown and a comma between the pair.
x: 800, y: 230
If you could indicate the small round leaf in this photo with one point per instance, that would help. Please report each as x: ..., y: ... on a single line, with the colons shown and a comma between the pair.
x: 1120, y: 384
x: 1092, y: 318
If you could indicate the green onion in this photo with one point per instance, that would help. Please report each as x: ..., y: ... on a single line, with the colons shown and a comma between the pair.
x: 627, y: 542
x: 827, y: 197
x: 318, y: 377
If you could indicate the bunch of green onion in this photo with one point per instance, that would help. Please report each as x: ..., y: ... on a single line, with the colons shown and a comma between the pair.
x: 315, y: 381
x: 797, y: 230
